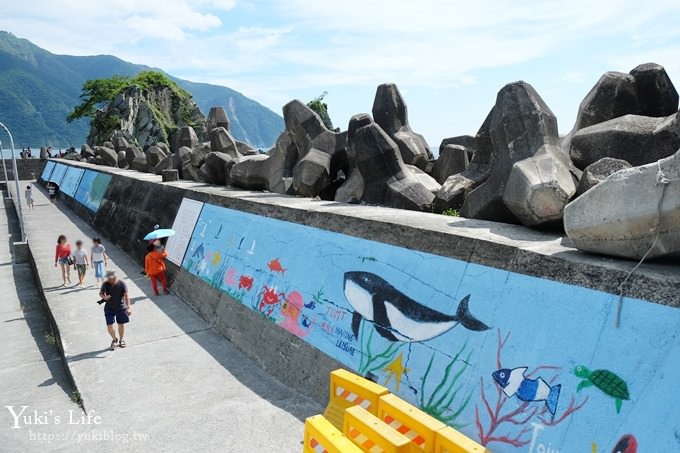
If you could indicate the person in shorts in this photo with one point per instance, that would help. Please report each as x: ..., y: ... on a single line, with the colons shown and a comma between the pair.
x: 80, y: 262
x: 117, y: 309
x: 62, y: 258
x: 98, y: 259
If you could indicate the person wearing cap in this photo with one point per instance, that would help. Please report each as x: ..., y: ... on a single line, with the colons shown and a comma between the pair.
x: 117, y: 309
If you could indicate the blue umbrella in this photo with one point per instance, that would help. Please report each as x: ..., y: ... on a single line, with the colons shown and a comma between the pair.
x: 158, y: 234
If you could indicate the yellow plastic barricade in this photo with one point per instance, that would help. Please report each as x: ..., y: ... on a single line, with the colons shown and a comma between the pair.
x: 410, y: 421
x: 372, y: 435
x: 448, y: 440
x: 347, y: 390
x: 322, y: 437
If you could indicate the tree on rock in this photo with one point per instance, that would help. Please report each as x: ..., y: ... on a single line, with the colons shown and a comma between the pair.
x: 97, y: 94
x: 321, y: 108
x: 144, y: 109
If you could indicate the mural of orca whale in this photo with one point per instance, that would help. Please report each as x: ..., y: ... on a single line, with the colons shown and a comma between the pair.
x: 396, y: 316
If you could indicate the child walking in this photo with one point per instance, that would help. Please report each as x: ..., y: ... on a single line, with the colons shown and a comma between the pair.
x: 80, y: 262
x: 154, y: 266
x: 99, y: 259
x: 29, y: 197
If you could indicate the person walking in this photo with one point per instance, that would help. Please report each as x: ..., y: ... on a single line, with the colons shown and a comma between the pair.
x: 52, y: 191
x: 80, y: 262
x: 28, y: 194
x: 62, y: 258
x: 98, y: 259
x: 117, y: 309
x: 154, y: 266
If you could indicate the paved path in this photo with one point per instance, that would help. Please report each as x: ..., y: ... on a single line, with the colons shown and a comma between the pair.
x: 31, y: 369
x: 179, y: 385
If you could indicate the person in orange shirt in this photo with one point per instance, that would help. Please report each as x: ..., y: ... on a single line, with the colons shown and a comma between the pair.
x: 154, y: 266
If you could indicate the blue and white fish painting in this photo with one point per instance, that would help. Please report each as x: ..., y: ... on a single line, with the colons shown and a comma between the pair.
x: 513, y: 382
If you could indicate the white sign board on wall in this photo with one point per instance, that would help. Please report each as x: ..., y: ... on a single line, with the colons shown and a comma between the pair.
x: 184, y: 224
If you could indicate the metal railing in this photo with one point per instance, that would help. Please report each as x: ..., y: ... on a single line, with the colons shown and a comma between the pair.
x: 17, y: 201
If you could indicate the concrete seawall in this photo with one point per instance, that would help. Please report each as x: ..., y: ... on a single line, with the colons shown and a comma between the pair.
x: 426, y: 304
x: 28, y: 169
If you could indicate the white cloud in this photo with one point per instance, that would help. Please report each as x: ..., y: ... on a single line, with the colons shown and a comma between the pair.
x: 575, y: 77
x: 275, y: 50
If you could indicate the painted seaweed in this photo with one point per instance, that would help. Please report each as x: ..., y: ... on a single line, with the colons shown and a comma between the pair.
x: 447, y: 391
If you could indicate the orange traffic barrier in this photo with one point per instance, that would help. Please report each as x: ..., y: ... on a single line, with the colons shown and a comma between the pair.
x: 448, y: 440
x: 347, y: 390
x: 419, y: 427
x: 371, y: 435
x: 322, y: 437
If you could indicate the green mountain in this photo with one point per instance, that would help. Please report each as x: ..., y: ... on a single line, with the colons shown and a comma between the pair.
x: 38, y: 89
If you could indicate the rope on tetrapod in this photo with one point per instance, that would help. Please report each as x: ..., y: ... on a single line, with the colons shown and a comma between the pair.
x: 664, y: 182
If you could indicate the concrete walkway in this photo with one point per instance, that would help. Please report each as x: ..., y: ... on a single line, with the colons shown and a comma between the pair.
x: 179, y: 386
x: 32, y: 372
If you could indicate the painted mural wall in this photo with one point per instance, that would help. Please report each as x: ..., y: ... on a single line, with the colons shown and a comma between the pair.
x: 516, y: 362
x: 88, y: 187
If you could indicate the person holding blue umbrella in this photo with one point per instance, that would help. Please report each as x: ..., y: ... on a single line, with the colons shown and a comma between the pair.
x: 154, y: 262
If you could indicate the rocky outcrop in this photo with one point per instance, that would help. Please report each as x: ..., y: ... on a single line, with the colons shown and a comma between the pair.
x: 636, y: 139
x: 390, y: 113
x: 597, y: 172
x: 625, y: 216
x: 146, y: 116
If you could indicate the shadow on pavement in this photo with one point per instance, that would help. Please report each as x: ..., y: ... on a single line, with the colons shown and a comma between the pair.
x: 34, y: 313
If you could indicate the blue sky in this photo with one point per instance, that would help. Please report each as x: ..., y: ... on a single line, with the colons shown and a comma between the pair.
x: 448, y: 57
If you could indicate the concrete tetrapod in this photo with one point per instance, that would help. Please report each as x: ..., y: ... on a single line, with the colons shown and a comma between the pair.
x: 539, y: 187
x: 633, y: 213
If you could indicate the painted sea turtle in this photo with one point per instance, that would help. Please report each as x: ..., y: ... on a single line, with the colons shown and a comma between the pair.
x: 605, y: 380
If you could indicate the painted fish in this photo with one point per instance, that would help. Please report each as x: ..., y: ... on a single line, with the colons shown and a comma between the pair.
x: 245, y: 282
x: 396, y: 316
x: 311, y: 305
x: 513, y: 383
x: 216, y: 258
x: 275, y: 266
